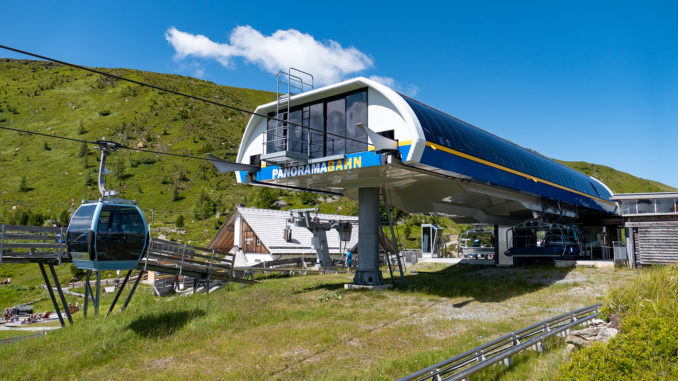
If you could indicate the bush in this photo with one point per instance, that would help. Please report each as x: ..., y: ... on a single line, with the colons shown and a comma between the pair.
x: 63, y: 219
x: 266, y: 198
x: 180, y: 221
x: 104, y: 112
x: 76, y: 272
x: 204, y: 206
x: 22, y: 216
x: 307, y: 198
x: 23, y: 184
x: 647, y: 346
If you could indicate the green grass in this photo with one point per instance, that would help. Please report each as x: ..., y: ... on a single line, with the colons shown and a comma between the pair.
x: 306, y: 327
x: 618, y: 181
x: 11, y: 334
x: 647, y: 346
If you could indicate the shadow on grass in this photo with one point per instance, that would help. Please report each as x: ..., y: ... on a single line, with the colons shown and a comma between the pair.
x: 483, y: 283
x: 163, y: 324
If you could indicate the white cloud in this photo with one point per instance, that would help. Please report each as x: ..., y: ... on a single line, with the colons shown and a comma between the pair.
x: 328, y: 61
x: 386, y: 81
x: 410, y: 90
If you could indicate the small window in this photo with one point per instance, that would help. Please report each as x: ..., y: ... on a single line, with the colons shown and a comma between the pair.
x: 258, y: 242
x: 255, y: 160
x: 387, y: 134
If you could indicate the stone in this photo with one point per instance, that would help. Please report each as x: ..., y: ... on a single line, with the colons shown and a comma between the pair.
x: 279, y: 204
x: 596, y: 333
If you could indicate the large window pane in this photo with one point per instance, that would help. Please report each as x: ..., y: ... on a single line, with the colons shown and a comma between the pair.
x: 356, y: 112
x: 645, y: 206
x: 120, y: 233
x: 665, y: 205
x: 336, y: 127
x: 295, y: 132
x: 275, y: 136
x: 79, y: 226
x: 317, y: 126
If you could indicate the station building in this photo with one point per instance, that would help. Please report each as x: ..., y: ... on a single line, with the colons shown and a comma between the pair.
x: 363, y: 140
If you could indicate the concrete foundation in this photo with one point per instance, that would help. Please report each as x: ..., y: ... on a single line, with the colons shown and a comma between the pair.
x: 368, y: 272
x: 377, y: 287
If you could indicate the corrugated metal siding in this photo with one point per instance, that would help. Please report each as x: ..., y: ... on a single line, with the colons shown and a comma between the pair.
x: 655, y: 242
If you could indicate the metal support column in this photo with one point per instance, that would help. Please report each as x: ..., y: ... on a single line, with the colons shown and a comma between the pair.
x: 368, y: 272
x: 131, y: 292
x: 51, y: 294
x: 117, y: 294
x: 61, y: 293
x: 98, y: 291
x: 394, y: 239
x: 88, y: 292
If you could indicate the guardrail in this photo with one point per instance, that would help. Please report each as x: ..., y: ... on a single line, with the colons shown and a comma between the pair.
x: 460, y: 367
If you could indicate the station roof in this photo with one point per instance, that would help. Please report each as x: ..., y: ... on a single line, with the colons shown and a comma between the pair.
x: 268, y: 225
x: 448, y: 131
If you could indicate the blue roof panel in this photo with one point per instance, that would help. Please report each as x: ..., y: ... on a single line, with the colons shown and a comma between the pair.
x: 455, y: 134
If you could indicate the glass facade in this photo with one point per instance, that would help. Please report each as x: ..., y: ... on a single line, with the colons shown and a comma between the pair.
x: 447, y: 131
x: 328, y: 127
x: 650, y: 206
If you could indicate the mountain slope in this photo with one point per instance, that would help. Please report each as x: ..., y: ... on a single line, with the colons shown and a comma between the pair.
x: 45, y: 174
x: 618, y: 181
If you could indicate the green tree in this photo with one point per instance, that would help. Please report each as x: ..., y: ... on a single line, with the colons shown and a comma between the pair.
x: 64, y: 218
x: 266, y: 198
x: 76, y: 272
x: 307, y: 198
x: 407, y: 230
x: 81, y: 129
x: 204, y: 206
x: 180, y: 221
x: 120, y: 169
x: 46, y: 147
x: 83, y: 150
x: 23, y: 184
x: 175, y: 195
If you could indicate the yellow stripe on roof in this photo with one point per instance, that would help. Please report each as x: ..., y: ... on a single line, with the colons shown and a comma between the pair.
x: 506, y: 169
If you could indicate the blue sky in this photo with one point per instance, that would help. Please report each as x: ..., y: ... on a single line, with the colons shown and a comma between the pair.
x: 594, y: 81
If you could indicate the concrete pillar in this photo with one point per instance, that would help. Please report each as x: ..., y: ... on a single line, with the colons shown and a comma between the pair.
x: 502, y: 238
x: 368, y: 272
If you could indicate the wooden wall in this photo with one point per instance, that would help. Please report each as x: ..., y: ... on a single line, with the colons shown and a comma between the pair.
x: 655, y: 241
x: 249, y: 240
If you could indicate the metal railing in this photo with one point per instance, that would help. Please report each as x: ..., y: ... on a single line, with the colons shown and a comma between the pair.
x: 502, y: 349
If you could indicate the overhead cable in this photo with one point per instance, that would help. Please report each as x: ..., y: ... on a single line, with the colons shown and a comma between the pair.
x: 287, y: 122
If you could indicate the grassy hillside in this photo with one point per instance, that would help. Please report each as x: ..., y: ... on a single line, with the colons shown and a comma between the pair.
x: 45, y: 174
x: 618, y: 181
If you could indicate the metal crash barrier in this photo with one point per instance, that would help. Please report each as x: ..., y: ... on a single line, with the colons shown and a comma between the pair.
x: 460, y: 367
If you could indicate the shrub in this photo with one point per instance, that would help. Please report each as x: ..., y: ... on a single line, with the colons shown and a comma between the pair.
x: 307, y: 198
x: 204, y: 206
x: 104, y: 112
x: 180, y: 221
x: 647, y: 346
x: 76, y: 272
x: 23, y: 184
x: 266, y: 198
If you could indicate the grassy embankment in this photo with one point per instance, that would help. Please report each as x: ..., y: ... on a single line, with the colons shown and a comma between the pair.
x: 309, y: 327
x: 647, y: 346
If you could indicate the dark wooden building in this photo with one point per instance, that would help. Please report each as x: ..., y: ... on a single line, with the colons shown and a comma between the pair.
x: 651, y: 226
